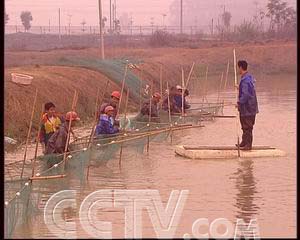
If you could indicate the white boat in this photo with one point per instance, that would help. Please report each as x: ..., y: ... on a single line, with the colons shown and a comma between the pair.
x: 224, y: 152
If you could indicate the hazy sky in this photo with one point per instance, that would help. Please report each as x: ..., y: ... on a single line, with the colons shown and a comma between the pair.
x: 141, y: 10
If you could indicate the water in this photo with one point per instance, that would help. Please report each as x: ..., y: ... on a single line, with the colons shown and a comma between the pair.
x: 261, y: 188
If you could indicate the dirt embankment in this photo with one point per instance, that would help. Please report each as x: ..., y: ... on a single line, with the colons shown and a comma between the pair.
x: 57, y: 83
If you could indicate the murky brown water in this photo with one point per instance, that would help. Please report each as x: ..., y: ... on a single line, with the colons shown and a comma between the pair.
x: 261, y: 188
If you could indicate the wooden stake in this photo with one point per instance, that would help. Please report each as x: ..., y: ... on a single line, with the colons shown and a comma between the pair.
x: 219, y: 89
x: 169, y: 104
x: 205, y: 84
x: 125, y: 118
x: 182, y: 92
x: 69, y: 128
x: 91, y: 140
x: 227, y: 71
x: 161, y: 83
x: 121, y: 151
x: 141, y: 74
x: 236, y: 93
x: 150, y: 107
x: 126, y: 105
x: 29, y: 132
x: 37, y: 142
x: 48, y: 177
x: 190, y: 75
x: 97, y: 112
x: 150, y: 113
x: 122, y: 89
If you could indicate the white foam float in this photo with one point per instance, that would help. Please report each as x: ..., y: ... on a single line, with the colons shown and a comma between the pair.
x: 226, y: 152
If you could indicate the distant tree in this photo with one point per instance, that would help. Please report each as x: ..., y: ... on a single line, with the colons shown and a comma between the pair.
x: 83, y: 23
x: 104, y: 19
x: 226, y: 18
x: 26, y: 18
x: 117, y: 26
x: 6, y: 18
x: 281, y: 16
x: 246, y: 31
x: 160, y: 38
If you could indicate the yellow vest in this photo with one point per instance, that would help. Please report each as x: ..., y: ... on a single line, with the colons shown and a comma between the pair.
x: 51, y: 126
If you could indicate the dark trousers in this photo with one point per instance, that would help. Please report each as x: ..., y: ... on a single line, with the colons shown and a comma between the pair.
x: 247, y: 123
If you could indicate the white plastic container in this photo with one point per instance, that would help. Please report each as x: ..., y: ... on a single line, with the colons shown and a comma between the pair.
x: 21, y: 78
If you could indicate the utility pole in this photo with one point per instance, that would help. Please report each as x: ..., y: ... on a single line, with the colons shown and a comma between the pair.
x: 110, y: 16
x: 163, y: 23
x: 115, y: 14
x: 152, y: 24
x: 181, y: 15
x: 131, y: 24
x: 49, y: 26
x: 212, y: 27
x: 70, y: 16
x: 101, y: 30
x: 59, y: 24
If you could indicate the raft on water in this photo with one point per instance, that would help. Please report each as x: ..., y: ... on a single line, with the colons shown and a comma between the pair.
x: 223, y: 152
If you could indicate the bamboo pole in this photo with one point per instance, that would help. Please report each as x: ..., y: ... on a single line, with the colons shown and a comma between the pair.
x: 227, y: 71
x: 219, y: 88
x: 190, y: 75
x: 91, y: 140
x: 48, y: 177
x: 169, y: 113
x: 182, y: 92
x: 205, y: 84
x: 150, y: 101
x: 188, y: 126
x: 37, y: 142
x: 236, y: 93
x: 29, y: 132
x: 97, y: 112
x: 169, y: 104
x: 141, y: 74
x: 122, y: 89
x: 153, y: 132
x: 150, y: 113
x: 125, y: 117
x: 161, y: 83
x: 69, y: 128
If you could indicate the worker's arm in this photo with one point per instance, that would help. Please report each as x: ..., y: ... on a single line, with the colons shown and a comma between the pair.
x: 244, y: 94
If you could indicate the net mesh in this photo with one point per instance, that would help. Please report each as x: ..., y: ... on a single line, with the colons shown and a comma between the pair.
x: 113, y: 68
x: 26, y: 197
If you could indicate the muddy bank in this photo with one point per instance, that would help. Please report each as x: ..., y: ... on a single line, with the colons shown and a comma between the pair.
x: 56, y: 84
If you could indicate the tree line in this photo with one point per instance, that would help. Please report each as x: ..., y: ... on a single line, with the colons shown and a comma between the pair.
x: 26, y: 19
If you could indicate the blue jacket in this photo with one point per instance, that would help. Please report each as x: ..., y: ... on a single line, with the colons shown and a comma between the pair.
x: 247, y: 102
x: 106, y: 125
x: 178, y: 102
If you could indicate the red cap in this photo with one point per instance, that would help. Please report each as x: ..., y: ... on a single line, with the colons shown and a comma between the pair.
x: 73, y: 116
x: 116, y: 94
x: 108, y: 108
x: 157, y: 95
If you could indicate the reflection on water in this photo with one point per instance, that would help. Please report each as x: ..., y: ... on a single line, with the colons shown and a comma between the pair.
x: 246, y: 186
